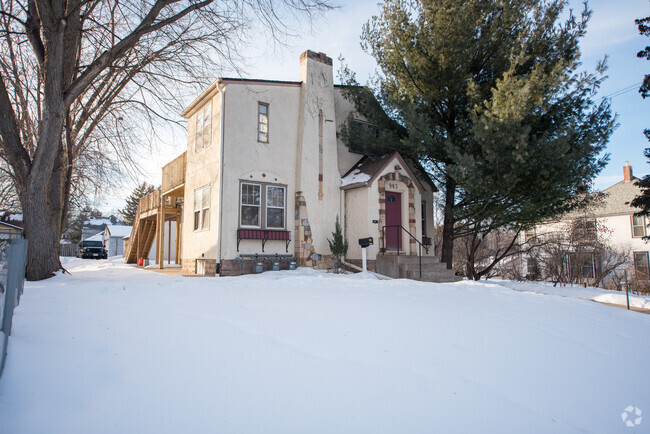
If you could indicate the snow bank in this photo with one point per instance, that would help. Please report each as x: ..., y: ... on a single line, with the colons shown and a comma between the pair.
x: 589, y: 293
x: 115, y: 349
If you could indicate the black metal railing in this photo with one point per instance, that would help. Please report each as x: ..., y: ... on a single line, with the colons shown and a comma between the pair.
x: 398, y: 235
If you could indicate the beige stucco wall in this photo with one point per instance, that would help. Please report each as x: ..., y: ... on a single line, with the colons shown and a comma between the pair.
x: 246, y: 159
x: 358, y: 218
x: 202, y: 169
x: 317, y: 95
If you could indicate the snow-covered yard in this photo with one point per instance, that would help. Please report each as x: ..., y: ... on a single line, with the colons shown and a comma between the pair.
x: 113, y: 349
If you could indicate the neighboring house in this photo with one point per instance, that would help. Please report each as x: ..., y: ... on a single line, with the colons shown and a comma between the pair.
x: 113, y: 237
x: 266, y: 173
x: 11, y: 225
x: 96, y: 237
x: 614, y: 222
x: 95, y: 225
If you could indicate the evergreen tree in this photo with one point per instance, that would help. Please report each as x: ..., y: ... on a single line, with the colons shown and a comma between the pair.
x: 643, y: 200
x: 338, y: 244
x: 78, y: 217
x: 129, y: 211
x: 487, y: 94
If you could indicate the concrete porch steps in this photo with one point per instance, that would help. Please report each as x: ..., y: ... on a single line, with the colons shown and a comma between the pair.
x: 408, y: 267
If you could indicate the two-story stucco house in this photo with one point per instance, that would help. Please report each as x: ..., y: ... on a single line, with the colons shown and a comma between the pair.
x: 266, y: 173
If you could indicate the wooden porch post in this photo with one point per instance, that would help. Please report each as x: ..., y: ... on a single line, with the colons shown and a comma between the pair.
x: 169, y: 243
x: 161, y: 232
x: 178, y: 239
x: 137, y: 242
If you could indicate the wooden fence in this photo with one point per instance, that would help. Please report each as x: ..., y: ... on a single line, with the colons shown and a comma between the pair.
x: 68, y: 250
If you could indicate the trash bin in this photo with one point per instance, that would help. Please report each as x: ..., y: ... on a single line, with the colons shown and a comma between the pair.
x: 140, y: 262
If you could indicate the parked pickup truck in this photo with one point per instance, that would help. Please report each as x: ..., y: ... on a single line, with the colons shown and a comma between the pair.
x: 93, y: 250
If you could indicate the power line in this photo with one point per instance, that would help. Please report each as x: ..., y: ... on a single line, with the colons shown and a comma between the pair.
x: 622, y: 91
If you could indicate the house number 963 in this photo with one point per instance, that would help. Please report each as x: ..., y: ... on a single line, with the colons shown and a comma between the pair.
x: 392, y: 185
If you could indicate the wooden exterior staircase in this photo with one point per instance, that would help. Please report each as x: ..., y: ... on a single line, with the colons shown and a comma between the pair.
x: 143, y: 233
x: 156, y: 208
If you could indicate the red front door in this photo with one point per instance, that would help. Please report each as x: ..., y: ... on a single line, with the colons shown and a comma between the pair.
x: 393, y: 218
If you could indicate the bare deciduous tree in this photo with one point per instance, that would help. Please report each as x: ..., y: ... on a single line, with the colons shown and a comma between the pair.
x: 73, y: 71
x: 580, y: 251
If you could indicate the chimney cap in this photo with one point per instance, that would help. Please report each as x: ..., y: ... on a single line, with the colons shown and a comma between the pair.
x: 320, y: 57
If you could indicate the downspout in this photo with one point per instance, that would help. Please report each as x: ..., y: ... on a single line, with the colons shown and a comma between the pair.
x: 221, y: 163
x: 342, y: 215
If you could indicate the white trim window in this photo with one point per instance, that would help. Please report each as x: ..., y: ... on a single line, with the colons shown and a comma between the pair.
x: 250, y: 205
x: 262, y: 122
x: 275, y: 200
x: 262, y: 206
x: 203, y: 127
x: 202, y: 208
x: 638, y: 226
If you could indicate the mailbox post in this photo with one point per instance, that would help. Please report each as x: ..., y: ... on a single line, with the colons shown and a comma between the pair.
x: 364, y: 242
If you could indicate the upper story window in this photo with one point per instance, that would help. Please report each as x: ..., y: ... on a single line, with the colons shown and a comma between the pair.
x: 371, y: 130
x: 262, y: 122
x: 262, y: 206
x: 638, y: 226
x: 202, y: 208
x: 203, y: 127
x: 529, y: 234
x: 584, y: 229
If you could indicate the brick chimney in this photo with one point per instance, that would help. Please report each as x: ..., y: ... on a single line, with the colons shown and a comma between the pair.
x: 627, y: 172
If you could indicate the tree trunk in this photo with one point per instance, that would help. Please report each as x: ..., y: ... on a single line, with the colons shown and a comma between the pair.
x: 41, y: 231
x: 448, y: 224
x: 470, y: 265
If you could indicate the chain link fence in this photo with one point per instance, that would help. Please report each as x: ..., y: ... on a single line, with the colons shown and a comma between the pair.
x: 13, y: 257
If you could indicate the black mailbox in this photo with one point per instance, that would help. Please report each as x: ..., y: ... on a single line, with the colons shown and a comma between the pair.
x: 365, y: 242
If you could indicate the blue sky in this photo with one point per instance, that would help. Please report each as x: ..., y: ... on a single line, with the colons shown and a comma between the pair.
x: 611, y: 33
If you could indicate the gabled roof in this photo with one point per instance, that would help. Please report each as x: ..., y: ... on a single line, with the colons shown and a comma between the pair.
x: 368, y: 169
x: 618, y: 198
x: 96, y: 237
x: 10, y: 225
x: 11, y: 219
x: 101, y: 222
x: 120, y: 231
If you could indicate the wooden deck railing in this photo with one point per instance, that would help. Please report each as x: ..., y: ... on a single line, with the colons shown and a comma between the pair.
x: 149, y: 202
x: 173, y: 173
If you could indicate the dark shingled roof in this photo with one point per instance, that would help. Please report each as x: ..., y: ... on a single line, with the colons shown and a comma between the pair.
x: 364, y: 172
x: 368, y: 165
